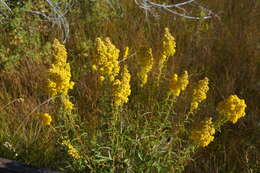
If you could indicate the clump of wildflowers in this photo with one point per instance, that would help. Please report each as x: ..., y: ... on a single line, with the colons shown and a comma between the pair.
x: 233, y: 108
x: 72, y: 151
x: 199, y: 93
x: 203, y: 133
x: 122, y: 88
x: 45, y: 118
x: 168, y: 48
x: 105, y: 57
x: 59, y: 74
x: 145, y: 62
x: 179, y: 84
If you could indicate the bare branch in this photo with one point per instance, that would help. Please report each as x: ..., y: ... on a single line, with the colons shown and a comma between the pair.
x: 185, y: 16
x: 178, y: 9
x: 59, y: 19
x: 4, y: 9
x: 5, y: 5
x: 172, y: 5
x: 56, y: 16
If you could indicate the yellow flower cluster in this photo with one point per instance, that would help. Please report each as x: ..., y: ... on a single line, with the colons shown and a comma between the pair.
x: 169, y: 44
x: 199, y: 93
x: 179, y: 84
x: 67, y: 103
x: 59, y: 73
x: 105, y: 56
x: 122, y: 89
x: 73, y: 152
x: 45, y: 118
x: 233, y: 108
x: 145, y: 62
x: 59, y: 80
x: 168, y: 48
x: 203, y: 133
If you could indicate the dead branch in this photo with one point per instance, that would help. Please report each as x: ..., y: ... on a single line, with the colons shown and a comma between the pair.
x: 177, y: 9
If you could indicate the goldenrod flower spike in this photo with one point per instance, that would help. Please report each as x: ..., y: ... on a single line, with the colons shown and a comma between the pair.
x: 233, y: 108
x: 168, y: 49
x: 60, y: 53
x: 45, y: 118
x: 179, y: 84
x: 184, y: 80
x: 59, y: 73
x: 73, y: 152
x: 122, y: 88
x: 68, y: 105
x: 199, y: 93
x: 169, y: 44
x: 145, y: 63
x: 203, y: 133
x: 105, y: 59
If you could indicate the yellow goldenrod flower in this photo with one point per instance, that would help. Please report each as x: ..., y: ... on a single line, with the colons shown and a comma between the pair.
x: 105, y: 57
x: 179, y: 84
x: 169, y: 44
x: 126, y: 52
x: 67, y: 104
x: 145, y: 62
x: 59, y: 80
x: 94, y: 67
x: 203, y: 133
x: 184, y: 80
x: 174, y: 85
x: 194, y: 105
x: 59, y: 73
x: 168, y: 48
x: 73, y: 152
x: 233, y: 108
x: 199, y: 93
x: 45, y: 118
x: 101, y: 78
x: 121, y: 89
x: 60, y: 53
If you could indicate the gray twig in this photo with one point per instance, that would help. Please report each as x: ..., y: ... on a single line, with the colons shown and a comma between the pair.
x: 5, y: 5
x: 59, y: 18
x: 56, y: 16
x: 175, y: 9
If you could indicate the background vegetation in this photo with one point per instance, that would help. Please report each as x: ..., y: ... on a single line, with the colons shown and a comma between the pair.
x: 150, y: 133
